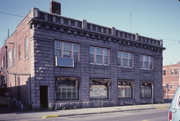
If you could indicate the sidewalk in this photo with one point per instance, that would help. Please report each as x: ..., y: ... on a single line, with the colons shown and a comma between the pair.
x: 86, y: 111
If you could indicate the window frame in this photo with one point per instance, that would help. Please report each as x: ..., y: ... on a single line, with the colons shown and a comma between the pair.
x: 66, y: 81
x: 95, y: 54
x: 164, y: 72
x: 174, y: 71
x: 60, y: 47
x: 26, y: 48
x: 125, y: 83
x: 10, y: 58
x: 121, y: 58
x: 142, y: 94
x: 146, y: 59
x: 96, y: 82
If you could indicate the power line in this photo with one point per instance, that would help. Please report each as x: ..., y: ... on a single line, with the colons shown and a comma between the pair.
x: 171, y: 39
x: 11, y: 14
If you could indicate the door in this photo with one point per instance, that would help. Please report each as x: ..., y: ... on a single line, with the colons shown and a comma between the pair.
x: 44, y: 96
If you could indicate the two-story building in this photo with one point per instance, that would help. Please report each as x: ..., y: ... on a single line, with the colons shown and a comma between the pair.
x: 171, y: 79
x: 60, y: 62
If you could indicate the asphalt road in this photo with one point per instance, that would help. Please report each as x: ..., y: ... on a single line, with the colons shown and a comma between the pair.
x: 143, y: 115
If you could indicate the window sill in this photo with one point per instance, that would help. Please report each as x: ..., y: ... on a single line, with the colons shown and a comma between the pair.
x: 125, y: 67
x: 125, y: 97
x: 67, y: 100
x: 146, y: 69
x: 99, y: 98
x: 99, y: 64
x: 146, y: 97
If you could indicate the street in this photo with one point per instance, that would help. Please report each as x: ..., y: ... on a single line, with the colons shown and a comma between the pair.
x: 140, y: 115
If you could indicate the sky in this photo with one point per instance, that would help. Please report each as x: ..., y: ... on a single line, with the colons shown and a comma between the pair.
x: 159, y: 19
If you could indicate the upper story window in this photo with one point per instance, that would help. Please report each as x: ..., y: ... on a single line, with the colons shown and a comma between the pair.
x: 67, y: 50
x: 164, y: 72
x: 174, y: 71
x: 14, y: 54
x: 1, y: 67
x: 26, y: 48
x: 146, y: 62
x: 19, y: 52
x: 10, y: 61
x: 125, y: 59
x: 99, y: 56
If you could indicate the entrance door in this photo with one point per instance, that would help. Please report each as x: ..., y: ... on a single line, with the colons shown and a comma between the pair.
x: 44, y: 96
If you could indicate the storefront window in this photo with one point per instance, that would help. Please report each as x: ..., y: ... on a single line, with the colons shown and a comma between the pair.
x: 124, y: 89
x: 99, y: 88
x: 146, y: 90
x: 67, y: 88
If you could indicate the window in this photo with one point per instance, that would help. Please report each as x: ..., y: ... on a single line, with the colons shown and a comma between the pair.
x: 19, y: 52
x: 10, y: 61
x: 164, y: 72
x: 67, y: 88
x: 146, y: 90
x: 99, y: 56
x: 67, y: 50
x: 125, y: 59
x: 174, y: 71
x: 14, y: 54
x: 124, y: 89
x: 26, y: 47
x: 99, y: 88
x: 146, y: 62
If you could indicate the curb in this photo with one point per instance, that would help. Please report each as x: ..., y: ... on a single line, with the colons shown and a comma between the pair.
x: 101, y: 112
x: 50, y: 116
x: 161, y: 107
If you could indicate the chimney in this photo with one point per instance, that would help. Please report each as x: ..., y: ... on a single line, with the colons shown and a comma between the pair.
x: 55, y: 7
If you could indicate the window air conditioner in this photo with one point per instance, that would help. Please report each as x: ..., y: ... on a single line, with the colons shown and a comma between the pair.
x: 64, y: 62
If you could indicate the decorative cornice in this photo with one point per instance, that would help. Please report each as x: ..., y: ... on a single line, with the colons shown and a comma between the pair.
x: 37, y: 23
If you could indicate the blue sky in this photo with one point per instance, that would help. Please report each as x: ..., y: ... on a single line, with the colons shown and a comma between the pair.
x: 158, y: 19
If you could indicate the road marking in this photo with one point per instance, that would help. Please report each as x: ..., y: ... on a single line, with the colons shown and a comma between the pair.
x: 50, y: 116
x: 145, y: 120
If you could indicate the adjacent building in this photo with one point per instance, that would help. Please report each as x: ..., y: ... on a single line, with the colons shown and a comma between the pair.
x: 59, y: 62
x: 171, y: 79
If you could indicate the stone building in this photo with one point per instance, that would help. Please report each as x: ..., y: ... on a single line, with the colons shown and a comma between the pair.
x: 171, y: 80
x: 60, y: 62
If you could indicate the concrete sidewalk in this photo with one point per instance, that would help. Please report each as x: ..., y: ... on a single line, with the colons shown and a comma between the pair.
x: 86, y: 111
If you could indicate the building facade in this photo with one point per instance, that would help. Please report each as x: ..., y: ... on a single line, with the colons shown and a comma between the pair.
x: 171, y: 80
x: 59, y: 62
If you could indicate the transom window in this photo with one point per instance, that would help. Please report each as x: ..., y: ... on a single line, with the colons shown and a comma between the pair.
x: 67, y: 88
x: 146, y: 90
x: 99, y: 56
x: 124, y: 89
x: 67, y: 50
x: 125, y: 59
x: 146, y: 62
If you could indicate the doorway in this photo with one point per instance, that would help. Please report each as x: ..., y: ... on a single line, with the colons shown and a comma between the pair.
x: 44, y: 97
